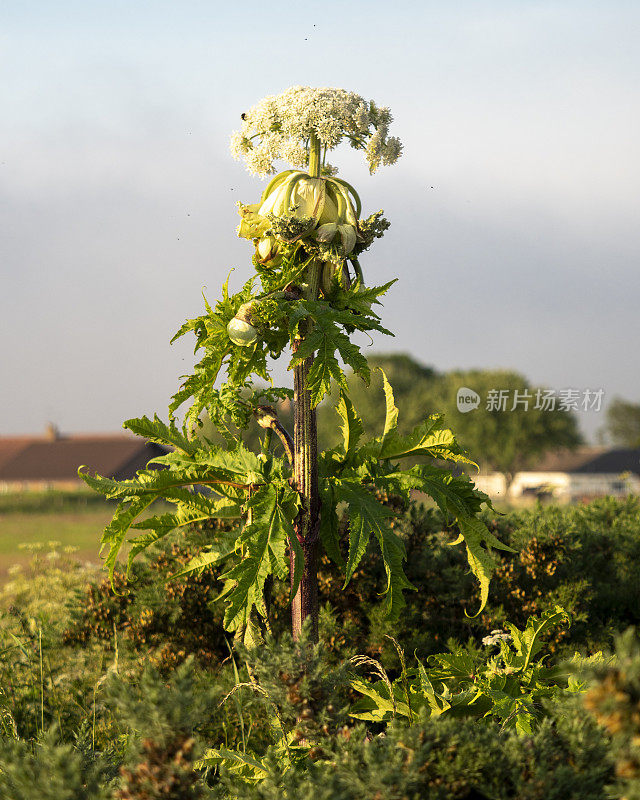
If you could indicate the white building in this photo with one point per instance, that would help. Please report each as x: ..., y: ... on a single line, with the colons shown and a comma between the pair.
x: 570, y: 476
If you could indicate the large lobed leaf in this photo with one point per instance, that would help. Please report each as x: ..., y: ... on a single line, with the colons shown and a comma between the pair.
x: 264, y: 541
x: 478, y: 540
x: 368, y: 517
x: 351, y: 471
x: 322, y: 331
x: 528, y: 642
x: 508, y: 686
x: 163, y: 524
x: 351, y: 427
x: 154, y: 430
x: 226, y: 474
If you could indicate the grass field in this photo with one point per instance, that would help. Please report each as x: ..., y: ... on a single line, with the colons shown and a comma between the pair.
x: 79, y: 529
x: 66, y: 519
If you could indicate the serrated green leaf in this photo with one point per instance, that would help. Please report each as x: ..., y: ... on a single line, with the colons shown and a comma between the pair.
x: 273, y: 510
x: 187, y: 326
x: 214, y: 554
x: 457, y: 665
x: 153, y: 482
x: 156, y: 431
x: 115, y: 533
x: 211, y: 335
x: 325, y: 339
x: 243, y: 765
x: 351, y: 427
x: 237, y: 465
x: 351, y: 355
x: 528, y: 643
x: 393, y: 555
x: 427, y: 438
x: 163, y: 524
x: 368, y: 517
x: 454, y: 494
x: 391, y: 416
x: 524, y: 723
x: 378, y: 706
x: 197, y: 387
x: 478, y: 539
x: 329, y: 524
x: 215, y: 467
x: 437, y: 703
x: 359, y: 298
x: 324, y: 369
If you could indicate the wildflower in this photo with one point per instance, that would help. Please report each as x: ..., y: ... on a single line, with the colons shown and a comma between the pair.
x: 496, y: 637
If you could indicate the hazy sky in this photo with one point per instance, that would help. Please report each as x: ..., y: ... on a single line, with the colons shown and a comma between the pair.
x: 514, y: 208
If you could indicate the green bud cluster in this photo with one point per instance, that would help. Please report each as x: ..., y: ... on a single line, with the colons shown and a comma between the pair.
x: 321, y: 214
x: 328, y: 206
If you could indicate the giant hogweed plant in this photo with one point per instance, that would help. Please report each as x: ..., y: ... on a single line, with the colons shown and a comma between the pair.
x: 508, y: 685
x: 306, y: 298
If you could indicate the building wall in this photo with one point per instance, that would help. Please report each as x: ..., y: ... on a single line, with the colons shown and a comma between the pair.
x: 564, y: 486
x: 529, y: 483
x: 561, y: 486
x: 494, y: 484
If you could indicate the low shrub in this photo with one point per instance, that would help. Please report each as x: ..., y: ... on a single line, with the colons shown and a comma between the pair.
x: 42, y: 682
x: 48, y: 769
x: 583, y: 558
x: 319, y: 751
x: 148, y: 698
x: 442, y: 759
x: 167, y: 620
x: 614, y: 700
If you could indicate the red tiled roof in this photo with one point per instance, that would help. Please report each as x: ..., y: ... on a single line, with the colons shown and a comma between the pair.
x: 9, y: 448
x: 39, y: 459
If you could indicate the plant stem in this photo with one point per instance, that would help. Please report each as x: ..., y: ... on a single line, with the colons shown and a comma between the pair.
x: 305, y: 467
x: 41, y: 682
x: 314, y: 156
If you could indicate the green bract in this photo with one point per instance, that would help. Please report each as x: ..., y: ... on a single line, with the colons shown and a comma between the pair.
x: 327, y: 208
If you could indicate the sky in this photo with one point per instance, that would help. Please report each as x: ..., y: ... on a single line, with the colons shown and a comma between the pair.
x: 514, y: 208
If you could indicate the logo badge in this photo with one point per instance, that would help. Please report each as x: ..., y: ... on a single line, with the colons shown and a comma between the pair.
x: 467, y: 400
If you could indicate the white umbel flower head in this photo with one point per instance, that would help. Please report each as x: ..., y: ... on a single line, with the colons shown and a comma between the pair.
x: 496, y: 637
x: 280, y: 126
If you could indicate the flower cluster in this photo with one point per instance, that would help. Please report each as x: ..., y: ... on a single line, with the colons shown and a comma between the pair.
x: 496, y: 637
x: 280, y: 126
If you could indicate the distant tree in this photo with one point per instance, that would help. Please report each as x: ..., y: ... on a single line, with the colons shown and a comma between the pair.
x: 623, y: 423
x: 502, y: 440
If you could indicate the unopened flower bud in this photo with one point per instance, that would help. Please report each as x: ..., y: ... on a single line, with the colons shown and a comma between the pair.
x: 348, y: 236
x: 326, y: 232
x: 267, y: 250
x: 240, y: 329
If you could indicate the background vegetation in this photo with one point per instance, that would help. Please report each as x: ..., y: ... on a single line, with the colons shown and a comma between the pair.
x: 118, y: 693
x: 507, y: 441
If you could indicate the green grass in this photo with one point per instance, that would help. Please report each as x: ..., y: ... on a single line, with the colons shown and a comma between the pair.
x: 52, y: 502
x: 81, y: 530
x: 68, y: 519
